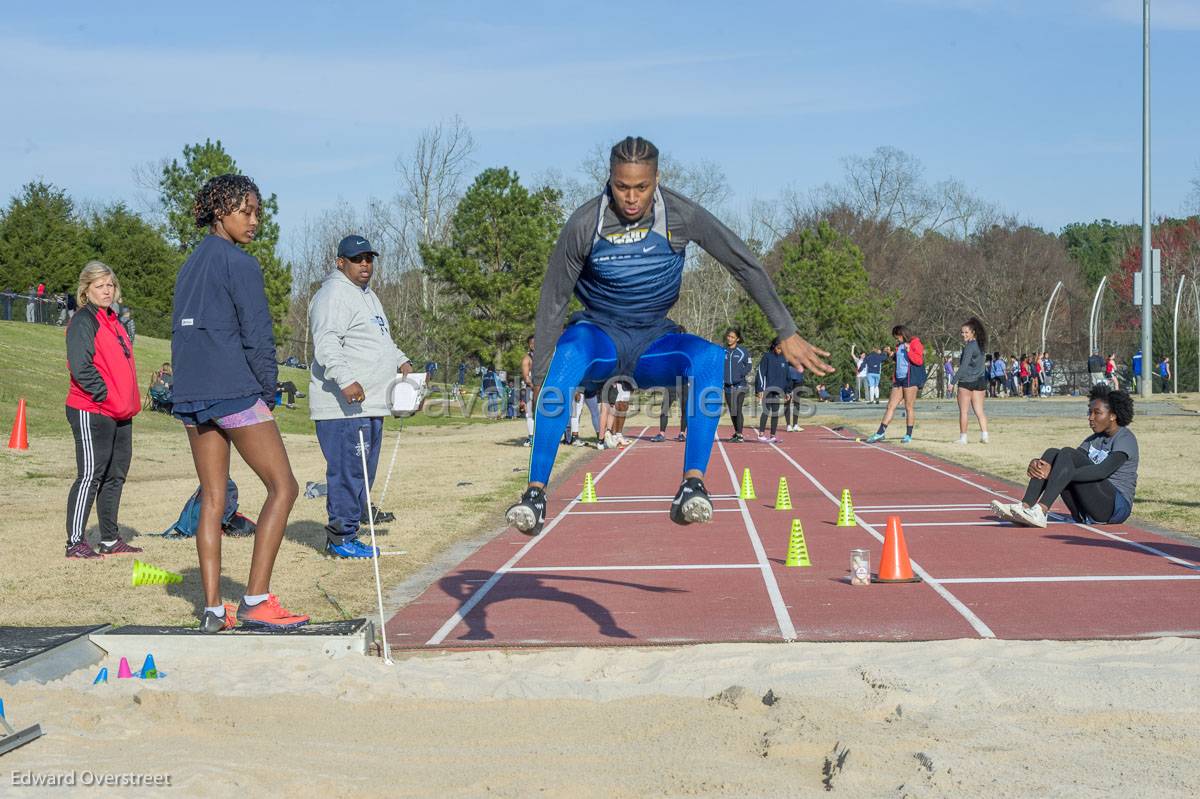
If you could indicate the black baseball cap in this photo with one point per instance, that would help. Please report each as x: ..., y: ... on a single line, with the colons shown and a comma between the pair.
x: 354, y: 245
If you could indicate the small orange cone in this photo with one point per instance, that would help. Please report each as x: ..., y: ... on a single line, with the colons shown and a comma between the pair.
x: 19, y: 439
x: 895, y: 566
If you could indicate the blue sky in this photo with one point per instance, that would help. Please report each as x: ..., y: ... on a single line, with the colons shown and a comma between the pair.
x: 1033, y: 105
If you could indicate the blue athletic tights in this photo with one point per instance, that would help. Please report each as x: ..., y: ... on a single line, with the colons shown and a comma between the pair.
x: 586, y: 354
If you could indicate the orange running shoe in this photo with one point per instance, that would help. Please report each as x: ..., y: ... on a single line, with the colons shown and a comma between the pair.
x: 212, y: 623
x: 268, y: 615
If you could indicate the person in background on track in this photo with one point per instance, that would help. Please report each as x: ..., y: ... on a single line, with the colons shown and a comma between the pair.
x: 1096, y: 480
x: 1110, y: 372
x: 791, y: 406
x: 875, y: 360
x: 948, y: 371
x: 771, y: 388
x: 860, y: 371
x: 908, y: 380
x: 669, y: 397
x: 996, y: 376
x: 223, y: 354
x: 1164, y: 373
x: 972, y: 379
x: 527, y: 389
x: 102, y: 400
x: 737, y: 368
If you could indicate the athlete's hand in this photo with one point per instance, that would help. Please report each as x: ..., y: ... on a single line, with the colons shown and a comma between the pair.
x: 803, y: 355
x: 354, y: 393
x: 1038, y: 469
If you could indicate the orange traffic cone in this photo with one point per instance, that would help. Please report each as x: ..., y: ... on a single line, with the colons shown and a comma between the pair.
x: 19, y: 439
x: 895, y: 566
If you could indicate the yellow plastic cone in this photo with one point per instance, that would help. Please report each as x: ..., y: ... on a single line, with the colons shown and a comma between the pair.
x: 846, y: 510
x: 783, y: 499
x: 797, y: 554
x: 589, y: 489
x: 145, y: 574
x: 747, y: 491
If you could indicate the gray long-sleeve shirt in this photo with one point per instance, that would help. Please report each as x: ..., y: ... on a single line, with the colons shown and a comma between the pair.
x: 686, y: 222
x: 970, y: 364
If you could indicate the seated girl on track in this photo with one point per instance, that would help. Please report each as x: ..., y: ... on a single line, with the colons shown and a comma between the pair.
x: 1096, y: 479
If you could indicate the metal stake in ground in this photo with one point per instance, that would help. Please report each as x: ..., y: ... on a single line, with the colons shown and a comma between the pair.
x: 362, y: 451
x: 388, y: 479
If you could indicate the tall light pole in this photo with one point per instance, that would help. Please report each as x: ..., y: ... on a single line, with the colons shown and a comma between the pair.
x: 1144, y: 383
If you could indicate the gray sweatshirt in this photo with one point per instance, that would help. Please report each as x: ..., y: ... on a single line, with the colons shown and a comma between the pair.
x: 351, y: 344
x: 970, y: 365
x: 686, y: 222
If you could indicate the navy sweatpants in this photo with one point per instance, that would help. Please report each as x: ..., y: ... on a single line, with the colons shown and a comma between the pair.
x: 346, y: 502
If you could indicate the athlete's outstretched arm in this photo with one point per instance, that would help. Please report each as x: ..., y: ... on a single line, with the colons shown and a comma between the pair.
x: 562, y: 272
x: 732, y: 253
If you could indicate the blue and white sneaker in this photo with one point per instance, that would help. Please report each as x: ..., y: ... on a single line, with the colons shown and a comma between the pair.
x: 659, y: 437
x: 907, y: 439
x: 350, y: 548
x: 874, y: 437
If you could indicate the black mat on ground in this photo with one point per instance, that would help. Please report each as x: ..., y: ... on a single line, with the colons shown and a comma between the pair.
x: 22, y: 643
x: 348, y: 627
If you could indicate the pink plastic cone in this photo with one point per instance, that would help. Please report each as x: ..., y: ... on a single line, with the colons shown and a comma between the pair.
x: 123, y: 672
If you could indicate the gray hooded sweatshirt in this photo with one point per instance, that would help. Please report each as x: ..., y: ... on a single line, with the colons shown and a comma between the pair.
x: 351, y: 343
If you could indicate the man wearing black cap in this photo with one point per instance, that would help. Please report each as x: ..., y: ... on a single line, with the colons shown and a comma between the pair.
x: 354, y: 362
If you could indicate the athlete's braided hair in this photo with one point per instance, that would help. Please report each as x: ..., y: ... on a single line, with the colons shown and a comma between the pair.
x: 1117, y: 400
x: 633, y: 150
x: 221, y: 196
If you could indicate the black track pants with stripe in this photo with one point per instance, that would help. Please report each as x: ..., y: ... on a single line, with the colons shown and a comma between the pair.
x: 103, y: 450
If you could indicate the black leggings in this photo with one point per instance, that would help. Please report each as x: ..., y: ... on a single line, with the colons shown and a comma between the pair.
x: 770, y: 409
x: 1096, y: 499
x: 734, y: 397
x: 666, y: 410
x: 103, y: 450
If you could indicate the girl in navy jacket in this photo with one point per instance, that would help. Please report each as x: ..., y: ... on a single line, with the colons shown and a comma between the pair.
x: 737, y: 367
x: 771, y: 385
x: 223, y: 354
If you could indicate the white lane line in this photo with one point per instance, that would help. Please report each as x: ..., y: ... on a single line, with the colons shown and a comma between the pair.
x: 975, y: 622
x: 925, y: 506
x: 678, y: 567
x: 636, y: 512
x: 786, y: 628
x: 1097, y: 578
x: 714, y: 498
x: 476, y: 597
x: 919, y: 510
x: 972, y: 523
x: 1111, y: 536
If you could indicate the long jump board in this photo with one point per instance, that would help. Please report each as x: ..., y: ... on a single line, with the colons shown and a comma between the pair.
x: 329, y: 639
x: 46, y: 653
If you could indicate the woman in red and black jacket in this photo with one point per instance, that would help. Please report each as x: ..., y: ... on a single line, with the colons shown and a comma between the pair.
x: 101, y: 403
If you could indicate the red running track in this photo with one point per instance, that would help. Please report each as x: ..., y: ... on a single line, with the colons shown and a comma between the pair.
x: 619, y: 572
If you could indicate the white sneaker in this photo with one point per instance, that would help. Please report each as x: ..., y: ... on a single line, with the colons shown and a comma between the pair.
x: 962, y: 439
x: 1004, y: 511
x: 622, y: 441
x: 983, y: 437
x: 610, y: 441
x: 1030, y: 517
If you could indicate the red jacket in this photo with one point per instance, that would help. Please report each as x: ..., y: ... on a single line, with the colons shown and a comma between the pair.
x: 100, y: 357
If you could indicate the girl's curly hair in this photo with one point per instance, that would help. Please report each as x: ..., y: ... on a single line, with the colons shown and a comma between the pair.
x: 1118, y: 401
x: 221, y: 196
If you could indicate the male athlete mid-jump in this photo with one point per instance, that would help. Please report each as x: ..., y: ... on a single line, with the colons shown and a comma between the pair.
x: 622, y: 254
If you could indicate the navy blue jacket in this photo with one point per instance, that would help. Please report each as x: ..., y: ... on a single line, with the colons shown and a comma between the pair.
x: 737, y: 366
x: 772, y: 373
x: 222, y: 346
